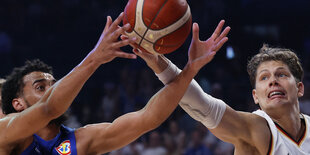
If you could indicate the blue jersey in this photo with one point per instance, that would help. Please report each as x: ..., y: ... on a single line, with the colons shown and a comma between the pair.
x: 62, y: 144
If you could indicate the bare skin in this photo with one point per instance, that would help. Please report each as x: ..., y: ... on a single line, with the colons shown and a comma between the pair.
x: 43, y: 100
x: 42, y: 96
x: 248, y: 132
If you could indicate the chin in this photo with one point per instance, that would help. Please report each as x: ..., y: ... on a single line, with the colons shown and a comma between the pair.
x: 277, y: 105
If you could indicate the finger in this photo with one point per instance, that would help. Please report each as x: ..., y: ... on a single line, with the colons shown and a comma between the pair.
x: 108, y: 24
x: 116, y: 22
x: 218, y: 29
x: 137, y: 51
x: 220, y: 44
x: 144, y: 55
x: 125, y: 42
x: 123, y: 37
x: 211, y: 55
x: 195, y: 31
x: 119, y: 31
x: 122, y: 54
x: 133, y: 45
x: 223, y: 34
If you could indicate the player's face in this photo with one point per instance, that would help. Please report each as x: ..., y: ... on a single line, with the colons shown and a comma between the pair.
x: 276, y: 86
x: 36, y: 83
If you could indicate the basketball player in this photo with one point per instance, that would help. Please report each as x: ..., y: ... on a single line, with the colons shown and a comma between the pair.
x: 276, y: 76
x: 32, y: 99
x: 1, y: 83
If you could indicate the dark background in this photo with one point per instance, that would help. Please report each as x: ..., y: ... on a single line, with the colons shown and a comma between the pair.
x: 62, y: 32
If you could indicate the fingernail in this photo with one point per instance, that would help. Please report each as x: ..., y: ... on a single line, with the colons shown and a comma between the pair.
x: 127, y: 25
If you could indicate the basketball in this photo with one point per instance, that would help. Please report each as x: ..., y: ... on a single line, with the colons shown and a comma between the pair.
x: 160, y: 26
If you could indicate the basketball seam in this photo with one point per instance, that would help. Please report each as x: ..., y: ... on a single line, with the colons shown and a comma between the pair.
x: 148, y: 27
x: 170, y: 33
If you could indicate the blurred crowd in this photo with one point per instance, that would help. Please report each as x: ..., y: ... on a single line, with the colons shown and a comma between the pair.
x: 61, y: 32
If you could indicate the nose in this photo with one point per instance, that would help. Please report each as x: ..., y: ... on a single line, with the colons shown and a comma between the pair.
x: 273, y: 81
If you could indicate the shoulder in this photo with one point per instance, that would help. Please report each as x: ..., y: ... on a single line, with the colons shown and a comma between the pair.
x: 91, y: 129
x: 260, y: 133
x: 86, y: 135
x: 257, y: 125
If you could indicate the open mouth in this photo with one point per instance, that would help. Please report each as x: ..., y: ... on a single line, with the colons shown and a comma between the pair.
x: 275, y: 94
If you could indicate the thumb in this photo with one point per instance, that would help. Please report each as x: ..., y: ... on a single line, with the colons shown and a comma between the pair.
x: 107, y: 24
x: 195, y: 31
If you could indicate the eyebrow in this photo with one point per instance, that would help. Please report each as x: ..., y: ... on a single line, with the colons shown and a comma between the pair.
x: 280, y: 68
x: 262, y: 71
x: 41, y: 80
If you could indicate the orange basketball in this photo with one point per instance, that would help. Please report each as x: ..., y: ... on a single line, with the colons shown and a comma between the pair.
x: 160, y: 26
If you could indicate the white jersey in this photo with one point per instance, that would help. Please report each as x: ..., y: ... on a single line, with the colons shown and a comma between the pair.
x: 282, y: 143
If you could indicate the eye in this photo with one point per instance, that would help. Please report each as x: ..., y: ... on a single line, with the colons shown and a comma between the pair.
x: 264, y: 78
x: 282, y: 75
x: 40, y: 88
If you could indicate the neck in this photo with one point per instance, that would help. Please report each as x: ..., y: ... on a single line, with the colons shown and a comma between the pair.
x: 292, y: 124
x: 288, y: 118
x: 49, y: 132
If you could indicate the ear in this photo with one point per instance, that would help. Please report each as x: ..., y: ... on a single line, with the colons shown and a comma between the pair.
x: 255, y: 96
x: 18, y: 104
x: 301, y: 89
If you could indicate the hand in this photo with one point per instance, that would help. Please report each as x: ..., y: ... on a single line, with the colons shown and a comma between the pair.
x: 108, y: 46
x: 149, y: 58
x: 202, y: 52
x: 157, y: 63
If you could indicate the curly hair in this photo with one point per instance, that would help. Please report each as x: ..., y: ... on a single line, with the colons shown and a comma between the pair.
x: 284, y: 55
x: 13, y: 86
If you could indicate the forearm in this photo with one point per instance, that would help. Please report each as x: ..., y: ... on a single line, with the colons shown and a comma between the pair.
x: 129, y: 127
x: 60, y: 96
x: 162, y: 104
x: 199, y: 105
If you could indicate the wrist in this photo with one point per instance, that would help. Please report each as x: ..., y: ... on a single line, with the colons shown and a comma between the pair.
x: 159, y: 65
x: 90, y: 61
x: 191, y: 69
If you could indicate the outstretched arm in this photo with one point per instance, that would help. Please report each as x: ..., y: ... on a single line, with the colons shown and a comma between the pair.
x: 229, y: 125
x: 105, y: 137
x: 59, y: 97
x: 194, y: 100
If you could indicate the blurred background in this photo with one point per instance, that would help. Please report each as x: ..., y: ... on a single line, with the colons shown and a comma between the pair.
x: 62, y: 32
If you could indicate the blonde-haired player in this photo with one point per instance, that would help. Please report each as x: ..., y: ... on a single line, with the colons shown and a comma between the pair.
x: 276, y: 75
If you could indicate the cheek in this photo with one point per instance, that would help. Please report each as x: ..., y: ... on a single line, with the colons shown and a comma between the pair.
x: 33, y: 98
x: 259, y: 90
x: 293, y: 92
